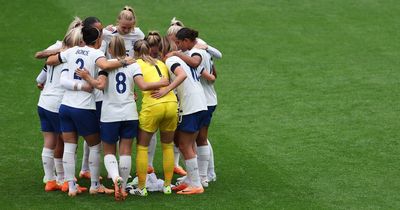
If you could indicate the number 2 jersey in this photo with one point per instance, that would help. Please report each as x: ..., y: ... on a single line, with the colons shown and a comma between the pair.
x: 80, y: 57
x: 118, y: 98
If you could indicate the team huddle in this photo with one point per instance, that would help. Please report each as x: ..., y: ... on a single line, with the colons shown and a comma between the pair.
x: 88, y: 86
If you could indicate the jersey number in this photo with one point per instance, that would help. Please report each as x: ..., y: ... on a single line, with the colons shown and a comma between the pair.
x: 80, y: 62
x: 120, y: 78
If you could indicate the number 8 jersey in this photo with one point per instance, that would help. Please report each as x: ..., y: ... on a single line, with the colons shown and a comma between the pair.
x: 118, y: 99
x: 80, y: 57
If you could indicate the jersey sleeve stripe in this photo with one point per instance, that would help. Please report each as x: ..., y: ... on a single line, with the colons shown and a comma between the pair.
x: 195, y: 54
x: 174, y: 66
x: 59, y: 58
x: 137, y: 75
x: 104, y: 73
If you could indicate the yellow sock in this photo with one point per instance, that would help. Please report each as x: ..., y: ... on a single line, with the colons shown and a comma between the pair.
x: 141, y: 165
x: 168, y: 162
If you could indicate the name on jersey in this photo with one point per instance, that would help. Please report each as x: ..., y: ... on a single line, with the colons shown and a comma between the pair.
x: 82, y: 52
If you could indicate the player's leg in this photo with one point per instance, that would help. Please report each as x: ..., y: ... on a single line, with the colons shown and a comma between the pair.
x: 58, y: 154
x: 186, y: 141
x: 211, y: 175
x: 151, y: 153
x: 85, y: 171
x: 125, y: 162
x: 203, y: 154
x: 177, y: 168
x: 167, y: 127
x: 142, y: 157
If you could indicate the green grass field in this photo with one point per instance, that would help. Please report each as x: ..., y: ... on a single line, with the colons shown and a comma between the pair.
x: 308, y: 114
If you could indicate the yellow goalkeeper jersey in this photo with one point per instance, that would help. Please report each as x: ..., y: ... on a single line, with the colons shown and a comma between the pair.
x: 153, y: 73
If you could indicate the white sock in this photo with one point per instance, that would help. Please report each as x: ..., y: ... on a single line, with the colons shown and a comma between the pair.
x: 193, y: 172
x: 152, y: 149
x: 94, y: 165
x: 69, y: 161
x: 110, y: 161
x: 210, y: 169
x: 176, y: 156
x: 203, y: 156
x: 48, y: 163
x: 59, y: 169
x: 85, y: 157
x: 125, y: 164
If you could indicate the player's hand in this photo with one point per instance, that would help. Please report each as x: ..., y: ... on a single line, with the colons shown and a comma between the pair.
x: 170, y: 54
x: 87, y: 88
x: 201, y: 46
x: 40, y: 86
x: 82, y: 73
x: 130, y: 60
x: 159, y: 93
x: 164, y: 82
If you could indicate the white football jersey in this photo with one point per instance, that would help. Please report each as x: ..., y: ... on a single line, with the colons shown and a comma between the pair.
x: 129, y: 39
x: 118, y: 99
x: 209, y: 90
x: 52, y: 93
x: 190, y: 92
x: 80, y: 57
x: 205, y: 65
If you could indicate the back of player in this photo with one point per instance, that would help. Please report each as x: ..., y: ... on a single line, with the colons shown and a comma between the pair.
x: 80, y: 57
x: 190, y: 92
x: 156, y: 114
x: 118, y: 103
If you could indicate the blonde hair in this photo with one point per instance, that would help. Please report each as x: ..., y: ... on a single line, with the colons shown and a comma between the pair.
x: 127, y: 13
x: 117, y: 47
x: 153, y: 38
x: 172, y: 30
x: 175, y: 22
x: 142, y: 51
x: 166, y: 46
x: 72, y: 38
x: 77, y: 22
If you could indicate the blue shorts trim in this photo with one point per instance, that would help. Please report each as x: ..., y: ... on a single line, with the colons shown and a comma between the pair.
x: 192, y: 122
x: 111, y: 132
x: 83, y: 121
x: 49, y: 121
x: 209, y: 114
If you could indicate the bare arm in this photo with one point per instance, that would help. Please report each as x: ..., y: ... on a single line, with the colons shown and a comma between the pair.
x: 99, y: 83
x: 53, y: 60
x: 193, y: 61
x: 106, y: 65
x: 150, y: 85
x: 211, y: 50
x: 46, y: 53
x: 180, y: 77
x: 207, y: 75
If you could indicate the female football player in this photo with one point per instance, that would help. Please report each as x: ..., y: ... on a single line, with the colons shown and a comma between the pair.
x: 78, y: 107
x: 119, y: 117
x: 126, y: 22
x: 193, y: 107
x: 48, y: 110
x: 156, y: 114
